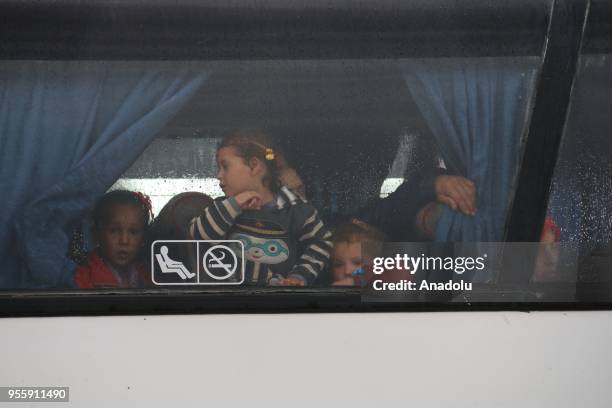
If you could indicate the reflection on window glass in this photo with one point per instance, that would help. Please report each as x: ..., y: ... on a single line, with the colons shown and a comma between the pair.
x: 297, y: 162
x: 172, y: 165
x: 582, y: 185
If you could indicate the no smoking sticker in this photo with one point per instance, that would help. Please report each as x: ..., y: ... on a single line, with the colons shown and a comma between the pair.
x: 220, y: 262
x: 191, y: 262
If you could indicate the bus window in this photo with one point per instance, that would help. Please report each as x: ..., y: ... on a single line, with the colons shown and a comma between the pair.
x: 579, y: 201
x: 358, y: 153
x: 417, y: 149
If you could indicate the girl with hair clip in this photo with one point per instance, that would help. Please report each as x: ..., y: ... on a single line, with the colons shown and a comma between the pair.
x: 120, y: 221
x: 284, y: 239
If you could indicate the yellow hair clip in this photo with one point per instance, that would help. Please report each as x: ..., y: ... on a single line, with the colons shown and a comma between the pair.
x: 269, y: 154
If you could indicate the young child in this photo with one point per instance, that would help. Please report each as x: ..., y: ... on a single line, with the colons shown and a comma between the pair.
x: 285, y: 241
x: 120, y: 220
x: 348, y: 261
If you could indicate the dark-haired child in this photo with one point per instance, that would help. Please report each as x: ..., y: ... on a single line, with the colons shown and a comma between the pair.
x: 285, y: 241
x: 120, y: 220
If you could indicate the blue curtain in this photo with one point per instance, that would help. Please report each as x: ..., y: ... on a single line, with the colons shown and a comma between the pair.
x: 68, y: 130
x: 476, y: 110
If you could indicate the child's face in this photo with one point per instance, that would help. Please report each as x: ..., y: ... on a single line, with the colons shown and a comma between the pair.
x: 234, y: 175
x: 346, y: 258
x: 122, y: 236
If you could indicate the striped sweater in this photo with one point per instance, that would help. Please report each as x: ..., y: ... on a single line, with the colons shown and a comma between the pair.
x: 286, y: 238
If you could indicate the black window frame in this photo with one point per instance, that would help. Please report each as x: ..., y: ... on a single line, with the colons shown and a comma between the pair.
x: 554, y: 30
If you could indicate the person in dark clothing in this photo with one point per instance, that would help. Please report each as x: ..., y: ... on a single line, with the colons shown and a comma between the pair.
x: 404, y: 214
x: 410, y: 212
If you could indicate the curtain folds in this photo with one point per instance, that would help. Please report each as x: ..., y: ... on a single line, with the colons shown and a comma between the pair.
x: 476, y: 110
x: 68, y: 130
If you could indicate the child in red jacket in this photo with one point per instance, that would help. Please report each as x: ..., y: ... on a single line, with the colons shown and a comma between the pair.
x: 120, y: 221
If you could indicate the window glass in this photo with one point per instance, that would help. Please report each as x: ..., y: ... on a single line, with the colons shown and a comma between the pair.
x: 579, y: 210
x: 298, y: 162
